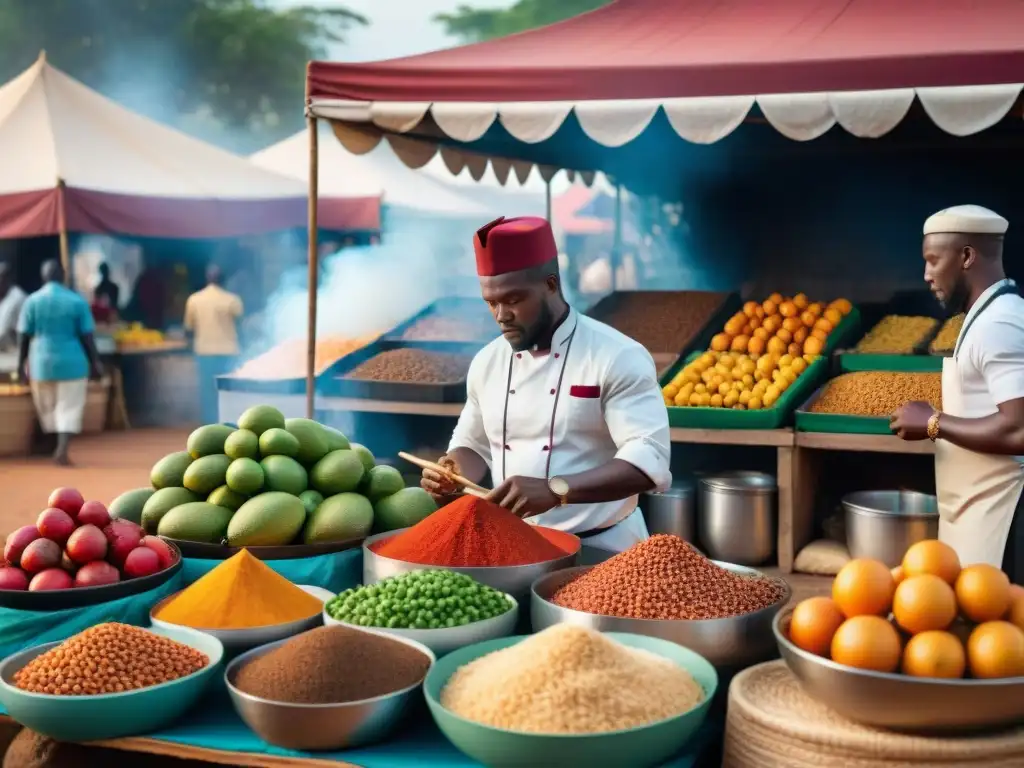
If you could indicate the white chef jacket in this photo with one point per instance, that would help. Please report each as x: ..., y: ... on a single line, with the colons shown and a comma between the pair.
x: 593, y: 398
x: 10, y: 310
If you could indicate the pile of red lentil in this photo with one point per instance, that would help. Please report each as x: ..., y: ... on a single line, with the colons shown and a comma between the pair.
x: 109, y: 658
x: 666, y: 578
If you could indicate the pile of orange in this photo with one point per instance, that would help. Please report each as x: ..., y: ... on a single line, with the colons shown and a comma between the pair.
x: 926, y: 618
x: 781, y: 326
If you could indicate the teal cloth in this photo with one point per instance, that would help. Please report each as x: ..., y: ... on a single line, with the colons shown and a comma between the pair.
x: 421, y: 745
x: 56, y: 318
x: 334, y: 572
x: 22, y: 629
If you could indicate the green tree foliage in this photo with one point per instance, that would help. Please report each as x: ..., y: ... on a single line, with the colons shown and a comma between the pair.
x: 219, y: 68
x: 471, y: 25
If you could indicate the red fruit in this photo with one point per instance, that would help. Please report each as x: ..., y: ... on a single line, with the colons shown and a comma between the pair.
x: 162, y: 548
x: 13, y: 578
x: 93, y: 513
x: 51, y: 578
x: 96, y: 574
x: 55, y: 524
x: 87, y: 544
x: 141, y: 561
x: 68, y: 564
x: 17, y: 541
x: 123, y: 536
x: 67, y: 499
x: 40, y: 555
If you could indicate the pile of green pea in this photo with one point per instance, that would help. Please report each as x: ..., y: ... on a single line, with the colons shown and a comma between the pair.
x: 433, y: 599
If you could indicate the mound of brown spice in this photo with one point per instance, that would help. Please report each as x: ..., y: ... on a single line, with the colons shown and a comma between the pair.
x: 109, y: 658
x: 666, y: 578
x: 333, y: 665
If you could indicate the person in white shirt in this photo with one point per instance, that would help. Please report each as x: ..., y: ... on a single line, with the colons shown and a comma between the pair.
x: 979, y: 433
x: 564, y: 412
x: 11, y: 299
x: 212, y: 315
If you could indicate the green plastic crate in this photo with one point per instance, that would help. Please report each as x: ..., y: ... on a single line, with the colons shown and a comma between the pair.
x: 853, y: 362
x: 838, y: 423
x: 705, y: 417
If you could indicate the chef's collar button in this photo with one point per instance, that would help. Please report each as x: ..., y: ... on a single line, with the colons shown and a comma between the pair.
x: 507, y: 448
x: 545, y: 448
x: 518, y: 355
x: 552, y: 391
x: 511, y: 391
x: 557, y: 355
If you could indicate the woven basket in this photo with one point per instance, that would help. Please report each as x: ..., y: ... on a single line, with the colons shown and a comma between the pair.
x: 97, y: 403
x: 772, y: 723
x: 17, y: 425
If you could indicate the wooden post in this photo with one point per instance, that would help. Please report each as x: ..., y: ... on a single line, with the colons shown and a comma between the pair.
x: 617, y: 243
x: 314, y: 267
x: 62, y: 234
x: 547, y: 200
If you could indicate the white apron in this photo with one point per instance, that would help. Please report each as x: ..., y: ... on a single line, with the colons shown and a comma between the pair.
x: 978, y: 494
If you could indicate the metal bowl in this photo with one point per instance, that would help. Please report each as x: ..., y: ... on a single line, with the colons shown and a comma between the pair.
x: 109, y: 715
x: 730, y: 643
x: 883, y: 525
x: 317, y: 727
x: 238, y: 640
x: 513, y: 580
x: 448, y: 639
x: 899, y: 702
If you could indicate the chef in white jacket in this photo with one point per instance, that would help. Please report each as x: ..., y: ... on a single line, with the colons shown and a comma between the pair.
x: 564, y: 412
x: 979, y: 433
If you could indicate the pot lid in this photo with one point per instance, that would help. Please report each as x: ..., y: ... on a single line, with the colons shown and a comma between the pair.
x: 680, y: 489
x: 741, y: 482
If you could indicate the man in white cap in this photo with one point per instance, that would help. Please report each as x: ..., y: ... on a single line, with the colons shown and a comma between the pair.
x: 979, y: 433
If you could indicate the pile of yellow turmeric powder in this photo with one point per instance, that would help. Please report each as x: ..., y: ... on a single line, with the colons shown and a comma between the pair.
x: 241, y: 593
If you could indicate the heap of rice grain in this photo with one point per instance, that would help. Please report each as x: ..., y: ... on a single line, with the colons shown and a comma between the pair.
x: 569, y: 680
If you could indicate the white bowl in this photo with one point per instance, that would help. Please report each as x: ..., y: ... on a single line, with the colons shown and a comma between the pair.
x: 447, y: 639
x: 238, y: 640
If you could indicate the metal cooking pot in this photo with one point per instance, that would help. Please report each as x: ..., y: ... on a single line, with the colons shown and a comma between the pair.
x: 737, y: 517
x: 883, y: 524
x: 672, y: 511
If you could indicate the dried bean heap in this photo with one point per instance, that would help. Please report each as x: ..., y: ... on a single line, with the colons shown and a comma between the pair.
x: 945, y: 339
x: 878, y: 393
x: 897, y: 335
x: 416, y: 366
x: 662, y: 321
x: 109, y: 658
x: 666, y: 578
x: 462, y: 327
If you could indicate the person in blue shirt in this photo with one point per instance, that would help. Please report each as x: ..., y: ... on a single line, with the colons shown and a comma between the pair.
x: 56, y: 340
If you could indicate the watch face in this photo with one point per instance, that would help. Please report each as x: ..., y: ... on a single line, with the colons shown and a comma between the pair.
x: 558, y: 486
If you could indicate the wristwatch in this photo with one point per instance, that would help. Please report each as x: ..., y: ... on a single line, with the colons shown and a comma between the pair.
x: 933, y: 426
x: 559, y: 486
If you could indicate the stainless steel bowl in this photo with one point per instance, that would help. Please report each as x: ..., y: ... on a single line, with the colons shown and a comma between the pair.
x: 236, y: 641
x: 737, y: 517
x: 318, y: 727
x: 448, y: 639
x: 899, y: 702
x: 884, y: 524
x: 514, y: 580
x: 730, y: 644
x: 672, y: 511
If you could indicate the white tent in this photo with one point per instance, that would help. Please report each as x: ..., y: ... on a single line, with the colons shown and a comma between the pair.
x: 380, y: 173
x: 74, y: 160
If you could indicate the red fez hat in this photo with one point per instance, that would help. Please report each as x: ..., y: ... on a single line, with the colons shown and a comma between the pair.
x: 509, y: 245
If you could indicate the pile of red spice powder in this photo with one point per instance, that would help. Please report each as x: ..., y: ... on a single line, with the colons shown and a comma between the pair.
x: 475, y: 533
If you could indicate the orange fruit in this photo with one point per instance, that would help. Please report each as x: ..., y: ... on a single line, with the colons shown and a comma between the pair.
x: 750, y: 308
x: 833, y: 315
x: 747, y: 330
x: 816, y: 308
x: 788, y: 309
x: 801, y: 301
x: 756, y: 345
x: 1016, y: 613
x: 720, y: 342
x: 776, y: 346
x: 983, y: 593
x: 739, y: 344
x: 897, y: 574
x: 735, y: 324
x: 762, y: 334
x: 813, y: 624
x: 1016, y: 590
x: 770, y: 306
x: 776, y: 298
x: 934, y: 654
x: 784, y: 334
x: 934, y: 557
x: 924, y: 603
x: 792, y: 324
x: 813, y: 345
x: 996, y: 649
x: 867, y: 642
x: 808, y: 318
x: 842, y: 306
x: 824, y: 324
x: 864, y: 588
x: 772, y: 323
x: 795, y: 349
x: 800, y: 335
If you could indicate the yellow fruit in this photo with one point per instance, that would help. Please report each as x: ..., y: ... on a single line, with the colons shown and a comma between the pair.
x: 716, y: 401
x: 799, y: 365
x: 983, y: 593
x: 731, y: 399
x: 776, y: 345
x: 934, y: 654
x: 814, y: 624
x: 995, y: 649
x: 924, y: 603
x: 754, y: 404
x: 864, y: 588
x: 720, y: 342
x: 867, y: 642
x: 934, y: 557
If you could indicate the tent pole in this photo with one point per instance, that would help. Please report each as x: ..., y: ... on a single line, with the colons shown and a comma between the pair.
x: 62, y: 234
x: 547, y: 200
x: 314, y: 267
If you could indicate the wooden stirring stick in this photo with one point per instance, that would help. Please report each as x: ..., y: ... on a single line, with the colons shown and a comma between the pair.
x: 469, y: 485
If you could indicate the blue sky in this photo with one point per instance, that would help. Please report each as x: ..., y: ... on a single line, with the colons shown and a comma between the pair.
x: 398, y: 27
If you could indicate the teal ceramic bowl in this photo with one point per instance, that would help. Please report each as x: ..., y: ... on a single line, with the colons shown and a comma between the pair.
x: 112, y: 715
x: 642, y: 747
